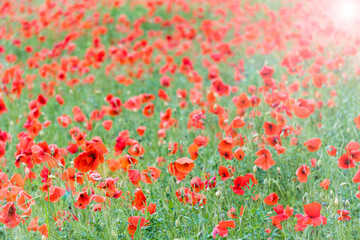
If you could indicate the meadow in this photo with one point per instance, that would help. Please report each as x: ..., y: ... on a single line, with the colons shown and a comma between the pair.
x: 175, y: 119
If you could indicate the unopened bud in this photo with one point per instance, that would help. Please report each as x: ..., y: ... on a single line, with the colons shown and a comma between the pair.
x: 347, y: 203
x: 336, y: 201
x: 177, y: 222
x: 255, y: 169
x: 303, y: 198
x: 218, y: 193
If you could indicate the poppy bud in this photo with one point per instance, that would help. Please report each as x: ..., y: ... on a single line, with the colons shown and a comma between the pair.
x: 265, y: 181
x: 218, y: 193
x: 278, y: 169
x: 336, y: 201
x: 177, y: 222
x: 347, y: 202
x: 167, y: 189
x: 52, y: 176
x: 254, y: 169
x: 319, y: 163
x: 342, y: 184
x: 147, y: 191
x: 43, y: 237
x: 303, y: 198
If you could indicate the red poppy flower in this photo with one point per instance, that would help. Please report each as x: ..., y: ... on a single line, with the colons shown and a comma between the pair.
x: 264, y: 161
x: 224, y: 173
x: 279, y: 149
x: 10, y: 192
x: 82, y: 200
x: 272, y: 129
x: 242, y: 101
x: 151, y: 209
x: 302, y: 173
x: 225, y: 148
x: 91, y: 158
x: 150, y: 175
x: 345, y: 162
x: 313, y: 144
x: 139, y: 201
x: 181, y: 167
x: 107, y: 124
x: 141, y: 130
x: 303, y: 108
x: 325, y: 184
x: 237, y: 122
x: 273, y: 140
x: 282, y: 215
x: 201, y: 141
x: 33, y: 225
x: 266, y: 72
x: 193, y: 151
x: 239, y: 154
x: 312, y: 216
x: 242, y: 182
x: 344, y: 215
x: 54, y: 194
x: 24, y: 200
x: 271, y: 199
x: 135, y: 222
x: 197, y: 184
x: 134, y: 176
x: 8, y: 215
x: 183, y: 194
x: 222, y: 228
x: 136, y: 150
x: 357, y: 121
x: 69, y: 176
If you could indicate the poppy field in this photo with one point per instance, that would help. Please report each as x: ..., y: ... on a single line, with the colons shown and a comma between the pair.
x: 177, y: 119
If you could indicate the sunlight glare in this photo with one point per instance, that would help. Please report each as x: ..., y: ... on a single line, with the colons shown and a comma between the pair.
x: 347, y: 10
